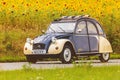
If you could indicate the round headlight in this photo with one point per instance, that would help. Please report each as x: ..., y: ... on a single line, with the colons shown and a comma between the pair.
x: 28, y: 40
x: 54, y: 39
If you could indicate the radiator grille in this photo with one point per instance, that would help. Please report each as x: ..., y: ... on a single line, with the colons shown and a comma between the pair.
x: 38, y: 46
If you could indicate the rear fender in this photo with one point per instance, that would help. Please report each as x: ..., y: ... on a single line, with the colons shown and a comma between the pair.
x: 104, y: 45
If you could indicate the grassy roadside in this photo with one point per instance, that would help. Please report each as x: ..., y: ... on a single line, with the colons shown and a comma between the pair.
x: 85, y: 72
x: 115, y: 56
x: 13, y: 58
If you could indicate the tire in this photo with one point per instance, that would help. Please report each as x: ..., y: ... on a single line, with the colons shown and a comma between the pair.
x: 66, y: 56
x: 31, y: 60
x: 104, y: 57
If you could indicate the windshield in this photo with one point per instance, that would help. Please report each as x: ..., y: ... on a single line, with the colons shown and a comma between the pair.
x: 61, y: 27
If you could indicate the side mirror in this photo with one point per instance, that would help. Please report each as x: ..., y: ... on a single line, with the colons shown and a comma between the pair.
x: 43, y: 31
x: 79, y: 30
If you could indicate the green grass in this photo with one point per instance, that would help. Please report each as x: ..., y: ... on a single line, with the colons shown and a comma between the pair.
x: 115, y: 56
x: 12, y: 58
x: 84, y: 72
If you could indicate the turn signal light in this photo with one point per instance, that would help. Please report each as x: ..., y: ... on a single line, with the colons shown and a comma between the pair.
x: 56, y: 48
x: 25, y: 48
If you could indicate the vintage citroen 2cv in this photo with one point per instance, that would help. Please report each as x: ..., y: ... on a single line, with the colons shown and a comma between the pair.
x: 69, y: 37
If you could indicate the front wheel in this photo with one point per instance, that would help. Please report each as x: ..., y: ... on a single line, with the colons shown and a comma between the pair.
x: 104, y: 57
x: 66, y: 55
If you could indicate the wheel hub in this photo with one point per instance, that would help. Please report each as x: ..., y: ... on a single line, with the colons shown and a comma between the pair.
x: 105, y: 56
x: 67, y: 54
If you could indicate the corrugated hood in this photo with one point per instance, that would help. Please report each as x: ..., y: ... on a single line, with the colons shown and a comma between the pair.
x: 47, y: 37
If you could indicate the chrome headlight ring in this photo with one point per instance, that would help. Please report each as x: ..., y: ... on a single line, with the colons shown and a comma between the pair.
x: 28, y: 40
x: 54, y: 39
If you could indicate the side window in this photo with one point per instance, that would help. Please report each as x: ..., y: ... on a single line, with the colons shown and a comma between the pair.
x: 91, y: 28
x: 99, y: 28
x: 81, y: 28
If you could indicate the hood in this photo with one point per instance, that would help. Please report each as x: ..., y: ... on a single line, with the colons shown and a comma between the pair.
x: 47, y: 37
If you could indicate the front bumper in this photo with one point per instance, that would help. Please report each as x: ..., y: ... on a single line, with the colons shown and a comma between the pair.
x: 39, y: 56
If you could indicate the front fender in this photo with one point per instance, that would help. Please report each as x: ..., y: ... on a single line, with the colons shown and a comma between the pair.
x: 28, y: 48
x: 57, y: 47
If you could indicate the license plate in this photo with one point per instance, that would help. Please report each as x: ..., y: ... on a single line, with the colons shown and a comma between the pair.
x: 39, y: 51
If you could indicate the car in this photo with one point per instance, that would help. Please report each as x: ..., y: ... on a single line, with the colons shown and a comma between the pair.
x: 68, y: 38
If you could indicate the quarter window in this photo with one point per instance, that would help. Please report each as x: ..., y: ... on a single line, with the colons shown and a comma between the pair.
x: 91, y: 28
x: 99, y: 28
x: 81, y: 28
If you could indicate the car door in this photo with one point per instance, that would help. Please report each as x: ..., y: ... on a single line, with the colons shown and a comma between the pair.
x: 81, y: 37
x: 93, y: 36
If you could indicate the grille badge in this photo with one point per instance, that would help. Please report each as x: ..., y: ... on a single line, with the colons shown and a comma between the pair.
x: 39, y: 46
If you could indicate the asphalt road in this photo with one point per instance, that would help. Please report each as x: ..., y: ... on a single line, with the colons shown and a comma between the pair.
x: 54, y: 64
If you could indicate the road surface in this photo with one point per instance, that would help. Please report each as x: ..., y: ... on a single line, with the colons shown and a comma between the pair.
x: 54, y: 64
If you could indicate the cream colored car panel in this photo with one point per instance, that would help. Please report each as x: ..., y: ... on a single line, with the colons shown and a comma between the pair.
x: 104, y: 45
x: 58, y: 44
x: 29, y: 48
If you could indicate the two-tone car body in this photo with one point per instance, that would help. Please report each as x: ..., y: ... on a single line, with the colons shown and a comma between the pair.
x: 69, y: 37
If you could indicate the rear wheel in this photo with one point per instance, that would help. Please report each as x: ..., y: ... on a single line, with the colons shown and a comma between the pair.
x: 66, y: 56
x: 104, y: 57
x: 31, y: 59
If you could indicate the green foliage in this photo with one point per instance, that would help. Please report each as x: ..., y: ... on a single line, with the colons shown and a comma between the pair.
x: 74, y: 73
x: 10, y: 57
x: 27, y: 67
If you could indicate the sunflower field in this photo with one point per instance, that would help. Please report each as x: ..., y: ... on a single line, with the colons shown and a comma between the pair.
x: 20, y: 19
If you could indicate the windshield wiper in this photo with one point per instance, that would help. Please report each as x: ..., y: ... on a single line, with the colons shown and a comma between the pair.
x: 61, y: 29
